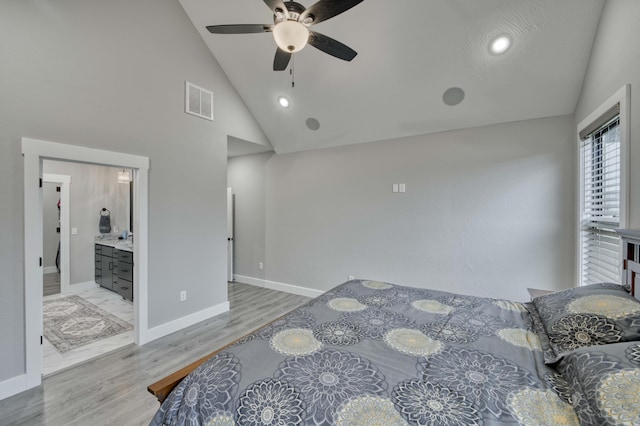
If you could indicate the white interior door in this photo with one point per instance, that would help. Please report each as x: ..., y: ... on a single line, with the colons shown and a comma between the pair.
x: 229, y: 235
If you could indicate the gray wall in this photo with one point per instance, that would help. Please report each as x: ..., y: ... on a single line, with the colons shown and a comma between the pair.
x: 50, y: 223
x: 615, y: 61
x: 488, y: 211
x: 246, y: 176
x: 110, y: 75
x: 92, y: 188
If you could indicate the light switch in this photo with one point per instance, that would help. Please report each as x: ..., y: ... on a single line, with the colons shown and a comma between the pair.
x: 402, y: 187
x: 395, y: 187
x: 74, y: 231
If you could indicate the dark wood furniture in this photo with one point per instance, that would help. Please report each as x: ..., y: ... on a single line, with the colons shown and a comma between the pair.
x: 114, y: 270
x: 104, y: 266
x: 124, y: 283
x: 163, y: 387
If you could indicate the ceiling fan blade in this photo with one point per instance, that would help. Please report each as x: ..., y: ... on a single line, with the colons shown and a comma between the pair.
x: 281, y: 60
x: 325, y: 9
x: 277, y: 4
x: 240, y: 28
x: 331, y: 46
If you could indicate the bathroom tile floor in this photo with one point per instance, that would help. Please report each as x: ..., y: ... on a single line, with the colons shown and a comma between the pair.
x: 109, y: 301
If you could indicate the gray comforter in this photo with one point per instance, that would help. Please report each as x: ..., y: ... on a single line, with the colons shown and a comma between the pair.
x: 368, y: 353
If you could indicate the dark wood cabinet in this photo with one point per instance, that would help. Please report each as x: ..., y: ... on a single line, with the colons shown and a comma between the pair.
x: 124, y: 283
x: 114, y: 270
x: 105, y: 266
x: 98, y: 264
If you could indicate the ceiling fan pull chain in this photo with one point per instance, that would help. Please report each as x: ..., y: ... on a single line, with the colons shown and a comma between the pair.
x: 291, y: 70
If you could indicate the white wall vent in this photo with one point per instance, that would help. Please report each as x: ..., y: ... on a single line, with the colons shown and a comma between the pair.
x: 198, y: 101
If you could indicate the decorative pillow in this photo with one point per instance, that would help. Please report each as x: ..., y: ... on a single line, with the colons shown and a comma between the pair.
x: 592, y: 315
x: 604, y: 383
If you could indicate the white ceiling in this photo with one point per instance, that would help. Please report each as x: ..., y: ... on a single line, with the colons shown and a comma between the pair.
x: 409, y: 53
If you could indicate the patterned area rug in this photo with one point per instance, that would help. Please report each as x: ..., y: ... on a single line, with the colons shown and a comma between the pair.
x: 71, y: 322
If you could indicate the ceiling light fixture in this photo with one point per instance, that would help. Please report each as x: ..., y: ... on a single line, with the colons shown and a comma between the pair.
x: 284, y: 102
x: 290, y: 36
x: 124, y: 176
x: 500, y: 44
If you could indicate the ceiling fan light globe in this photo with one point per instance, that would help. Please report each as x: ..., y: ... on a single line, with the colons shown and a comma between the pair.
x: 291, y: 36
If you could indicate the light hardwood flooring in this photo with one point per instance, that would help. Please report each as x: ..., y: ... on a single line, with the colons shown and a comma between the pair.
x: 110, y: 302
x: 51, y: 284
x: 111, y: 390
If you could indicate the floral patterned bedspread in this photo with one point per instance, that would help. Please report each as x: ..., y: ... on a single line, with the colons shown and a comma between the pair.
x: 369, y: 353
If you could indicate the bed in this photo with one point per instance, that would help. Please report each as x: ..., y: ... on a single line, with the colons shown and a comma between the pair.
x: 369, y: 352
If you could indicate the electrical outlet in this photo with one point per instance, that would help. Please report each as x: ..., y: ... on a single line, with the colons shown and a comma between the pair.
x: 351, y: 277
x: 183, y: 295
x: 74, y: 231
x: 260, y: 266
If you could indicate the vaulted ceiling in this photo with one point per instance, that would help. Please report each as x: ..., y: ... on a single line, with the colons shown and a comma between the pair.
x: 409, y: 53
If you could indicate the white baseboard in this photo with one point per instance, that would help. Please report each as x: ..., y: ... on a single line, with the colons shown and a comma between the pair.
x: 180, y: 323
x: 272, y: 285
x: 49, y: 269
x: 13, y: 386
x: 87, y: 285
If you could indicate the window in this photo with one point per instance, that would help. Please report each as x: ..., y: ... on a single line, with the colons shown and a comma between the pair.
x: 600, y: 152
x: 604, y: 186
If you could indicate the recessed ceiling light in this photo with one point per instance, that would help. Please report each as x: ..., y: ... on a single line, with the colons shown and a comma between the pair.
x: 500, y: 44
x: 284, y: 102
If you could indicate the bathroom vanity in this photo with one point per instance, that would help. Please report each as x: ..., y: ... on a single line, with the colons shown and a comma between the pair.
x: 114, y: 266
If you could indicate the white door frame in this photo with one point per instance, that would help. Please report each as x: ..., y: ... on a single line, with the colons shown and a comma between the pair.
x: 230, y: 237
x: 65, y: 269
x: 34, y: 151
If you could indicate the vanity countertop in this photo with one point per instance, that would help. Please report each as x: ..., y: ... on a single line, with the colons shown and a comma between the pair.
x: 113, y: 241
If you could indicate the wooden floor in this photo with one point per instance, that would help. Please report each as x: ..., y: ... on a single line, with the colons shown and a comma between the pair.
x: 51, y: 284
x: 112, y: 390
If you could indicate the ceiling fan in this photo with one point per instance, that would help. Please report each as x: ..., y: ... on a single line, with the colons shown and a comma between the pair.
x: 290, y: 28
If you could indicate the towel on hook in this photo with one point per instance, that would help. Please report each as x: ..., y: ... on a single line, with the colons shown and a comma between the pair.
x: 105, y: 221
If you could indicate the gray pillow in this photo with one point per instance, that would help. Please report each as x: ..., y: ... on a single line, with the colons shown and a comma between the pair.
x: 592, y: 315
x: 603, y: 383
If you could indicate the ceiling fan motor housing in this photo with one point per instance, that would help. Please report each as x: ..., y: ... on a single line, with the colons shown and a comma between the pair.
x: 290, y: 34
x: 294, y: 10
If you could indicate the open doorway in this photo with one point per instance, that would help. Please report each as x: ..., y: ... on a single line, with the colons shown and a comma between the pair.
x: 55, y: 218
x: 92, y: 315
x: 51, y: 203
x: 35, y: 152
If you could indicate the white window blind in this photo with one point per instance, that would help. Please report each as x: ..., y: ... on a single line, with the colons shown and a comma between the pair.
x: 600, y: 157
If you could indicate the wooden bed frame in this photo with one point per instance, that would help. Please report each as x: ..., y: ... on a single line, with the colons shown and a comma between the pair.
x: 163, y: 387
